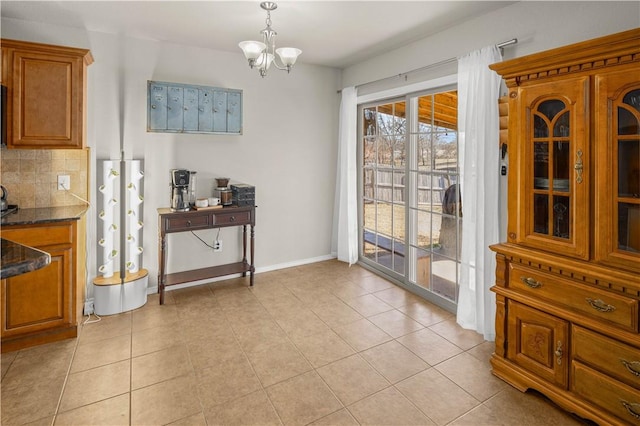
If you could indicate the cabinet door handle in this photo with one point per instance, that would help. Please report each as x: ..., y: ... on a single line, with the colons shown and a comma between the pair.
x: 531, y: 282
x: 632, y: 408
x: 579, y: 167
x: 600, y: 305
x: 558, y: 353
x: 632, y: 366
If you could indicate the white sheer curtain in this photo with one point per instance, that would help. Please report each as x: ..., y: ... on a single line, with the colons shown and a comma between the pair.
x: 345, y: 224
x: 478, y: 127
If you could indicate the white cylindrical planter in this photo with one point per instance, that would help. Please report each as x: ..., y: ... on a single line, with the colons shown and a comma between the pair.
x: 113, y: 297
x: 122, y: 284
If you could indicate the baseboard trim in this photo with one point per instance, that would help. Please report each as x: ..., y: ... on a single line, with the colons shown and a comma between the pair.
x: 278, y: 266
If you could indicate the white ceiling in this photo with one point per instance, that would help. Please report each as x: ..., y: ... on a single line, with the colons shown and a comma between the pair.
x: 330, y: 33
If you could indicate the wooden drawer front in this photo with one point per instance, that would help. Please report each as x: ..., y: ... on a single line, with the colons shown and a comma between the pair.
x: 615, y: 397
x: 38, y: 236
x: 619, y: 310
x: 187, y: 222
x: 233, y: 218
x: 538, y: 342
x: 610, y: 356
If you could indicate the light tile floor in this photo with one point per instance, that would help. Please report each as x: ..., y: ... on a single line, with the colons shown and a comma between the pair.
x: 323, y: 344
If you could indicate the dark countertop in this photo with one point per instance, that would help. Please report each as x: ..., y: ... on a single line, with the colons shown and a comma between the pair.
x: 43, y: 215
x: 18, y: 259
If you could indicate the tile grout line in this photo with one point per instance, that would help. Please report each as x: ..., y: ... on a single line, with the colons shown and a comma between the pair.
x: 235, y: 336
x: 131, y: 371
x: 66, y: 379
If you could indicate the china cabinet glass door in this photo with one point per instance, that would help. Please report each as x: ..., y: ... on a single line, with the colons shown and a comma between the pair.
x: 554, y: 160
x: 618, y: 221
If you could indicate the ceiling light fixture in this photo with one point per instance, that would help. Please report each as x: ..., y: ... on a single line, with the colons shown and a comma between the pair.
x: 262, y: 54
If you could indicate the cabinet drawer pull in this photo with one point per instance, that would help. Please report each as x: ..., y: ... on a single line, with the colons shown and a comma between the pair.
x: 558, y: 353
x: 632, y: 408
x: 600, y: 306
x: 531, y: 282
x: 232, y: 219
x: 188, y: 223
x: 632, y: 366
x: 579, y: 167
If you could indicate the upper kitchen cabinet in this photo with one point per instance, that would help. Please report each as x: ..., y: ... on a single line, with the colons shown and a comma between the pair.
x: 46, y: 94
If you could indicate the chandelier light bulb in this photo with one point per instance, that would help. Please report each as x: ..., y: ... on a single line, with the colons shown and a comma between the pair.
x: 288, y: 55
x: 252, y: 49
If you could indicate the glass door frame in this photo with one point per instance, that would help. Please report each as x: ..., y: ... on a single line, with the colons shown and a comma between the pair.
x: 408, y: 279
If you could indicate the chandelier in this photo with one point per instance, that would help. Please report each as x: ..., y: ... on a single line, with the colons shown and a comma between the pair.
x: 262, y: 54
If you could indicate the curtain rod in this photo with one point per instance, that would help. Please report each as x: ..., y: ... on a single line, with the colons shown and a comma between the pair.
x: 437, y: 64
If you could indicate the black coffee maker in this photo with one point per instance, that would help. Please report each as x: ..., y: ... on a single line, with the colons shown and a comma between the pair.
x: 179, y: 190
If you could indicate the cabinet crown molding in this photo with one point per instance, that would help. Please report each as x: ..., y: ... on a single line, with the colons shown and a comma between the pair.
x: 49, y: 48
x: 611, y: 50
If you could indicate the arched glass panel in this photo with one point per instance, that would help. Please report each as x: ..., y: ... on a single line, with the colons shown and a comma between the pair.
x: 551, y: 108
x: 561, y: 127
x: 633, y: 99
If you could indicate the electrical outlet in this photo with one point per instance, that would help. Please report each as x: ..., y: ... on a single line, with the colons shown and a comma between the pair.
x: 64, y: 182
x: 88, y: 307
x: 217, y: 245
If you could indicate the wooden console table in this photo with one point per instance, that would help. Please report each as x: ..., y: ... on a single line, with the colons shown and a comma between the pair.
x: 193, y: 220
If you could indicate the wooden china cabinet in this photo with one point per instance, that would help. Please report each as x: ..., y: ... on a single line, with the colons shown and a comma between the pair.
x: 568, y: 276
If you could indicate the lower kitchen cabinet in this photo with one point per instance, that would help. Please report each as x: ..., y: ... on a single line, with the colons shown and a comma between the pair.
x: 44, y: 305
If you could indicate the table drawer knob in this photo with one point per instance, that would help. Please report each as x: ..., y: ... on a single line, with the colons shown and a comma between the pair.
x: 531, y: 282
x: 600, y: 305
x: 632, y: 366
x: 232, y: 219
x: 188, y: 223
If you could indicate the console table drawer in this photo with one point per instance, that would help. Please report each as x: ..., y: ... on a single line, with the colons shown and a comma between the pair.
x: 188, y: 222
x: 615, y: 397
x: 233, y: 218
x: 608, y: 355
x: 605, y: 305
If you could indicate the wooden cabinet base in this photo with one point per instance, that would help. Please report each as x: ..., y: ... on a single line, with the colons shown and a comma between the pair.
x: 522, y: 380
x: 25, y: 341
x: 44, y: 306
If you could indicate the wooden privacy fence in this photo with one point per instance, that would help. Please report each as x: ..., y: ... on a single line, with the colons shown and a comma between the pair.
x: 387, y: 184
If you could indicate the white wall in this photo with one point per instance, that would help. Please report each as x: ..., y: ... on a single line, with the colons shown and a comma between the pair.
x: 288, y: 148
x: 538, y: 26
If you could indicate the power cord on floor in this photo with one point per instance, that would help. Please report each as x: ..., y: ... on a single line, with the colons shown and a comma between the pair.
x: 90, y: 321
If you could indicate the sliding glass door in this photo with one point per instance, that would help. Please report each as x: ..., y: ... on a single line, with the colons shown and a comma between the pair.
x: 383, y: 189
x: 410, y: 200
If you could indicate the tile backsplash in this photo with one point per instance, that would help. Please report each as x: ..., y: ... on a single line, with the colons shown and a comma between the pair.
x: 31, y: 176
